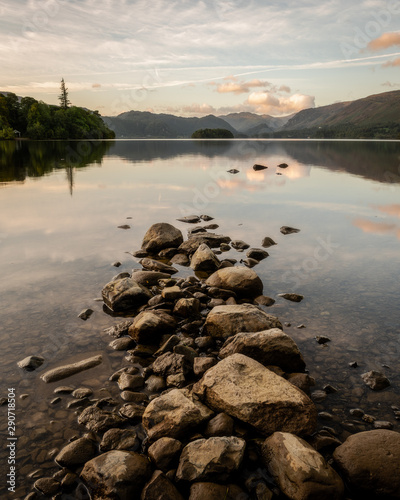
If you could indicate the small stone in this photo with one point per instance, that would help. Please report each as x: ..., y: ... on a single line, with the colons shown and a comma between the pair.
x: 82, y: 392
x: 268, y: 242
x: 30, y: 363
x: 63, y: 389
x: 117, y: 263
x: 233, y: 171
x: 47, y: 486
x: 164, y: 453
x: 368, y: 418
x: 289, y: 230
x: 76, y: 453
x: 263, y: 300
x: 357, y: 412
x: 293, y: 297
x: 301, y: 326
x: 85, y: 314
x: 321, y: 339
x: 202, y: 364
x: 221, y: 425
x: 283, y: 165
x: 239, y: 245
x: 383, y: 424
x: 119, y: 439
x: 257, y: 167
x: 329, y: 389
x: 257, y: 254
x: 353, y: 364
x: 375, y: 380
x: 122, y: 344
x: 124, y: 226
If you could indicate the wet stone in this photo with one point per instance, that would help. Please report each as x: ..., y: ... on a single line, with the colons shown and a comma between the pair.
x: 85, y: 314
x: 97, y: 420
x: 375, y: 380
x: 132, y: 411
x: 30, y: 363
x: 119, y: 330
x: 47, y: 486
x: 322, y: 339
x: 82, y: 392
x: 119, y: 439
x: 122, y: 344
x: 289, y: 230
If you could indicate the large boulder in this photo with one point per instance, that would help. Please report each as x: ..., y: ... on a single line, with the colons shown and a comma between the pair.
x: 370, y: 462
x: 227, y: 320
x: 204, y: 259
x: 161, y: 235
x: 269, y: 347
x: 299, y: 470
x: 117, y: 474
x: 174, y: 414
x: 149, y: 326
x: 241, y: 280
x: 125, y: 295
x: 245, y: 389
x: 212, y: 459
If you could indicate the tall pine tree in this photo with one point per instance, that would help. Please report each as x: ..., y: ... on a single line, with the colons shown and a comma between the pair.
x: 63, y: 97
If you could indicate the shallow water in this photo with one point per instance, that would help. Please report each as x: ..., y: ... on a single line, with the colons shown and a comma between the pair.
x: 60, y: 208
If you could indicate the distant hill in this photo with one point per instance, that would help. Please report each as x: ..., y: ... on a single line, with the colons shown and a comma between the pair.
x: 377, y: 115
x: 252, y: 124
x: 142, y: 124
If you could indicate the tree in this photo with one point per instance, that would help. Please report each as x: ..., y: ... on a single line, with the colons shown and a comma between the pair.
x: 212, y: 133
x: 63, y: 97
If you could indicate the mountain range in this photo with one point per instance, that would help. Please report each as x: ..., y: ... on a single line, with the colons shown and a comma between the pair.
x: 376, y: 116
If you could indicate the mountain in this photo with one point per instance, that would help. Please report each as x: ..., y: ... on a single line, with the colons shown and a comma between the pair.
x: 142, y: 124
x: 252, y: 124
x: 373, y: 116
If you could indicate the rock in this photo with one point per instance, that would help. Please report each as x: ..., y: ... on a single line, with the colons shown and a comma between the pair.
x: 239, y: 245
x: 249, y: 262
x: 268, y: 242
x: 301, y: 380
x: 197, y: 229
x: 155, y: 265
x: 211, y: 459
x: 321, y: 339
x: 283, y: 165
x: 190, y: 219
x: 233, y: 171
x: 213, y: 491
x: 172, y: 293
x: 375, y: 380
x: 125, y: 295
x: 221, y: 425
x: 188, y: 352
x: 241, y: 280
x: 149, y: 278
x: 204, y: 259
x: 180, y: 259
x: 299, y: 470
x: 257, y: 167
x: 132, y: 411
x: 149, y: 326
x: 30, y: 363
x: 383, y: 424
x: 171, y: 364
x: 97, y: 420
x: 82, y: 392
x: 119, y: 330
x: 130, y: 382
x: 268, y: 347
x: 68, y: 370
x: 263, y: 300
x: 117, y: 474
x: 47, y: 485
x: 369, y: 461
x: 165, y: 452
x: 257, y: 254
x: 161, y: 235
x: 76, y: 453
x: 124, y: 226
x: 224, y: 321
x: 85, y: 314
x: 289, y: 230
x: 174, y: 414
x: 168, y: 345
x: 206, y: 218
x: 160, y: 488
x: 119, y: 439
x: 155, y: 384
x: 122, y: 344
x: 245, y: 389
x: 293, y: 297
x: 202, y: 364
x: 187, y: 308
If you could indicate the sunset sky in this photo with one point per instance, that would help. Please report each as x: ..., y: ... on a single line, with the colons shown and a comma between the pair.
x: 193, y: 58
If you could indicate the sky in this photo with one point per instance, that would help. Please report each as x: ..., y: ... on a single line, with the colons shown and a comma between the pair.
x: 194, y: 58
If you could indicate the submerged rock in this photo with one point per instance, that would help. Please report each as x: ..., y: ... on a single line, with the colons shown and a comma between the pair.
x: 125, y: 295
x: 68, y: 370
x: 293, y: 297
x: 299, y: 470
x: 375, y: 380
x: 245, y: 389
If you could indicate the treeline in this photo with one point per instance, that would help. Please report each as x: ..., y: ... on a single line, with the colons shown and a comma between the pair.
x: 348, y: 131
x: 36, y: 120
x: 212, y: 133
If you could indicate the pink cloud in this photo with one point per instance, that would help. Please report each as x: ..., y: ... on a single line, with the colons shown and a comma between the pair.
x: 395, y: 62
x: 266, y: 102
x: 368, y: 226
x: 384, y: 41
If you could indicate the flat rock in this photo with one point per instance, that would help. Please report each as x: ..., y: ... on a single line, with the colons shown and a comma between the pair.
x: 187, y: 308
x: 117, y: 474
x: 119, y: 439
x: 245, y: 389
x: 149, y: 278
x: 299, y: 470
x: 156, y: 265
x: 283, y: 165
x: 204, y: 259
x: 211, y: 459
x: 160, y: 487
x: 190, y: 219
x: 210, y: 239
x: 293, y: 297
x: 174, y: 414
x: 98, y: 420
x: 77, y: 453
x: 375, y: 380
x: 30, y: 363
x: 125, y: 295
x: 268, y: 347
x: 171, y: 364
x: 263, y: 300
x: 119, y: 330
x: 68, y: 370
x: 149, y: 326
x: 241, y: 280
x: 161, y: 235
x: 370, y: 462
x: 288, y: 230
x: 226, y: 320
x: 257, y: 167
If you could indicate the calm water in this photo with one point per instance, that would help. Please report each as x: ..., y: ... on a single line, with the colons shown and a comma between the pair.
x: 60, y: 208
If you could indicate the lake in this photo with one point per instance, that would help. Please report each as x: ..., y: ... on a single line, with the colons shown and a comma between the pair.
x: 61, y: 205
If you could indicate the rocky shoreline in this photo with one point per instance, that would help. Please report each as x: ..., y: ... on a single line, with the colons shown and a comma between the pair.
x: 215, y: 399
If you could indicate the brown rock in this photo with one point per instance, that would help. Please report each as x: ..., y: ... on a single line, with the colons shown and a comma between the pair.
x: 241, y: 280
x: 213, y: 491
x: 149, y: 326
x: 125, y: 295
x: 76, y: 453
x: 160, y: 488
x: 165, y: 452
x: 161, y: 235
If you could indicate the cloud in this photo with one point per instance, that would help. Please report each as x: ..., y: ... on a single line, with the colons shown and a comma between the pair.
x: 240, y: 87
x: 201, y: 109
x: 96, y: 85
x: 266, y: 102
x: 385, y: 41
x: 393, y: 210
x: 395, y: 62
